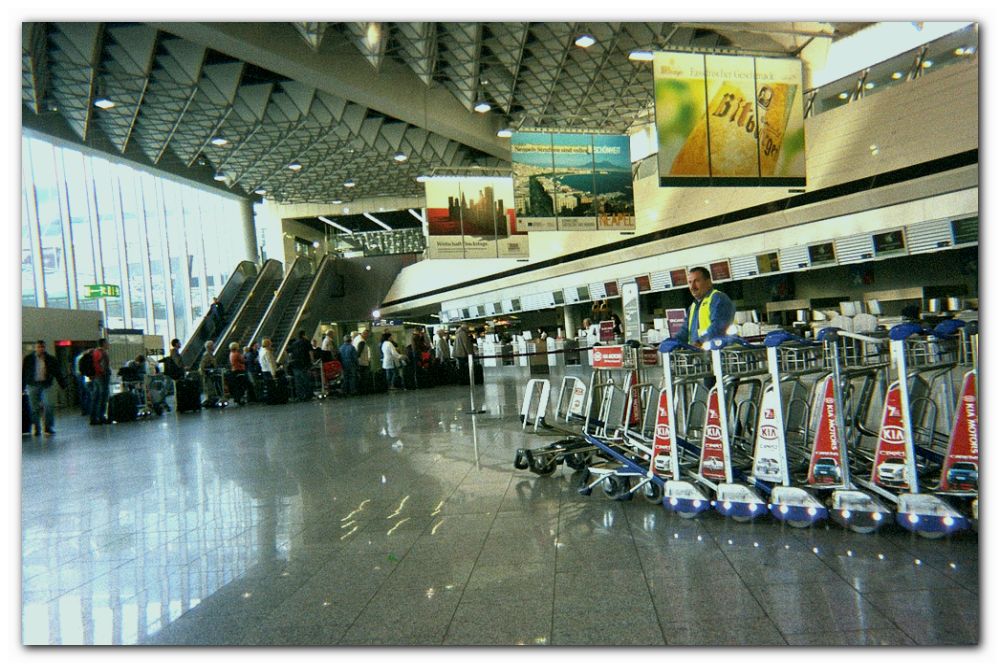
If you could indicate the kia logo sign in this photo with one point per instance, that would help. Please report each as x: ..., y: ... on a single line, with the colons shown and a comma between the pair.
x: 768, y: 432
x: 893, y: 434
x: 662, y: 431
x: 713, y: 431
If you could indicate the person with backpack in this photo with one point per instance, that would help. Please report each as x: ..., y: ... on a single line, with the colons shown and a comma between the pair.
x: 82, y: 390
x: 173, y: 365
x: 99, y: 366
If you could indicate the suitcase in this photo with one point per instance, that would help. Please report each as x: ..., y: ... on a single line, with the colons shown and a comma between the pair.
x: 237, y: 384
x: 188, y: 395
x: 25, y: 414
x: 122, y: 408
x: 276, y: 390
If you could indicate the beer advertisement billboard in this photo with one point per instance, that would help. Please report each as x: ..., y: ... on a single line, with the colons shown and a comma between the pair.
x: 472, y: 218
x: 729, y: 120
x: 572, y: 181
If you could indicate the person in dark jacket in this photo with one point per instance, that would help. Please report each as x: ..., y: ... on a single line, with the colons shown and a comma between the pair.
x: 37, y: 374
x: 100, y: 384
x: 217, y: 315
x: 299, y: 361
x: 349, y: 361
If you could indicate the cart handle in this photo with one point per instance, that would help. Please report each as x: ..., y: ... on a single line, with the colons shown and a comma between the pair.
x: 832, y: 333
x: 776, y: 338
x: 724, y: 341
x: 671, y: 344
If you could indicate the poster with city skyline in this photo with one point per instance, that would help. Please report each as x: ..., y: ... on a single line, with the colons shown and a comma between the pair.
x: 473, y: 218
x: 572, y: 181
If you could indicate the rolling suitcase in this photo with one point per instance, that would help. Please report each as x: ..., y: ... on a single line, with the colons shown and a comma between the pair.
x: 25, y: 414
x: 122, y: 408
x: 276, y: 390
x: 188, y: 395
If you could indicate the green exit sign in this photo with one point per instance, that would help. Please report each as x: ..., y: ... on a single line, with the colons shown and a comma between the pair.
x: 101, y: 291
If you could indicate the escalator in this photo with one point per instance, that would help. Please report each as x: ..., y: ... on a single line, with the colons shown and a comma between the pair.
x: 232, y: 297
x: 316, y: 305
x: 246, y: 320
x: 277, y: 321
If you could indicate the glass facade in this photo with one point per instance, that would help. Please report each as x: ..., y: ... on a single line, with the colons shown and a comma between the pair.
x: 88, y: 219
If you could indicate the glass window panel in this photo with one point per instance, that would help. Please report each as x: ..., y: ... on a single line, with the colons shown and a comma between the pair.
x: 134, y: 246
x: 177, y: 248
x: 50, y: 224
x: 28, y: 297
x: 79, y: 218
x: 196, y: 255
x: 152, y: 206
x: 114, y: 312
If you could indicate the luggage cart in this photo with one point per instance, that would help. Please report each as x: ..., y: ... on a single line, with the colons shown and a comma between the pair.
x: 735, y: 362
x: 836, y: 461
x: 917, y: 354
x: 794, y: 364
x: 959, y: 477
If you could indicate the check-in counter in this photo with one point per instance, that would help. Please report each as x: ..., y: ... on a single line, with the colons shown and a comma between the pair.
x: 538, y: 357
x: 521, y: 352
x: 553, y: 347
x: 490, y: 349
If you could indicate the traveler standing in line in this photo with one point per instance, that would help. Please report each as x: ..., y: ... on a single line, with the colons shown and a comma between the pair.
x: 82, y: 390
x: 300, y: 360
x: 349, y: 362
x: 209, y: 368
x: 463, y: 348
x: 328, y: 347
x: 100, y: 384
x: 238, y: 379
x: 38, y: 371
x: 251, y: 359
x: 178, y: 362
x: 711, y: 313
x: 268, y: 367
x: 442, y: 348
x: 360, y: 343
x: 391, y: 359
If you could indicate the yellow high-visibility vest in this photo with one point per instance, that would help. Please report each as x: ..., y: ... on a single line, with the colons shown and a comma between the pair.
x: 704, y: 314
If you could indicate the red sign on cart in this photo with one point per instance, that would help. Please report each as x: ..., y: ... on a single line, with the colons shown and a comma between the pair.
x: 609, y: 356
x: 961, y: 465
x: 826, y: 465
x: 660, y: 463
x: 650, y: 357
x: 891, y: 467
x: 713, y: 463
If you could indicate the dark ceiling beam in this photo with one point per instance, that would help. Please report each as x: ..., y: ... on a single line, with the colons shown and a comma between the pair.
x: 395, y: 92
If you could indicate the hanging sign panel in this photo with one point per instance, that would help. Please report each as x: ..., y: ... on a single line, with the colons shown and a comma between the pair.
x: 572, y: 181
x: 472, y: 218
x: 729, y: 120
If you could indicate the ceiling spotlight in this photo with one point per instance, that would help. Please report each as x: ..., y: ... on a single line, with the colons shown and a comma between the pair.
x: 219, y: 176
x: 927, y: 63
x: 897, y: 75
x: 482, y: 106
x: 505, y: 133
x: 295, y: 166
x: 400, y: 156
x: 842, y: 96
x: 969, y: 50
x: 422, y: 178
x: 349, y: 183
x: 869, y: 85
x: 337, y: 201
x: 104, y: 103
x: 315, y: 244
x: 219, y: 141
x: 260, y: 191
x: 376, y: 314
x: 585, y: 41
x: 640, y: 56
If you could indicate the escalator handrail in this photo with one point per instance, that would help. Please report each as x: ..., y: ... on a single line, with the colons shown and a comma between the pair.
x: 263, y: 276
x: 196, y: 341
x: 288, y: 285
x: 327, y: 261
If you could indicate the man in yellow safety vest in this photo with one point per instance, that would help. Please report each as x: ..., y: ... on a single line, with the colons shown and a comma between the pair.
x: 711, y: 313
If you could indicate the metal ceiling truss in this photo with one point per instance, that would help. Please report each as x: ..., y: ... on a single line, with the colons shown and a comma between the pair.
x: 173, y: 97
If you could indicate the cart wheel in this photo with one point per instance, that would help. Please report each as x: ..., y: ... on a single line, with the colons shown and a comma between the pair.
x: 611, y: 486
x: 543, y: 469
x: 686, y: 515
x: 652, y: 493
x: 926, y: 534
x: 862, y: 530
x: 799, y: 524
x: 577, y: 460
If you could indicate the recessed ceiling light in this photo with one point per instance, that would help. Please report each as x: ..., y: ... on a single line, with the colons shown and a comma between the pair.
x: 969, y: 50
x: 349, y: 183
x: 400, y: 156
x: 585, y: 41
x: 260, y: 191
x: 482, y: 106
x: 897, y: 75
x: 960, y: 51
x: 315, y: 244
x: 423, y: 178
x: 219, y: 176
x: 842, y: 96
x: 641, y: 56
x: 219, y: 141
x: 104, y: 103
x: 505, y: 133
x: 338, y: 201
x: 295, y: 166
x: 927, y: 63
x: 869, y: 85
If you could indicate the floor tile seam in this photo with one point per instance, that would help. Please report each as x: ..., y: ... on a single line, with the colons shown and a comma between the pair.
x: 645, y: 577
x: 756, y: 596
x: 890, y: 618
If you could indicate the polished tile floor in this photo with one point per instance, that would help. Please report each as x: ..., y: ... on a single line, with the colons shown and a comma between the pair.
x: 399, y: 520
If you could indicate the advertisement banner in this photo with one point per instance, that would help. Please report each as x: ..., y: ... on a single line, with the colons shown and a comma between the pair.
x: 769, y: 452
x: 728, y: 120
x: 609, y: 356
x: 714, y: 463
x: 472, y: 218
x: 890, y: 469
x: 572, y: 181
x: 960, y: 471
x: 632, y: 318
x: 826, y: 465
x: 659, y: 462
